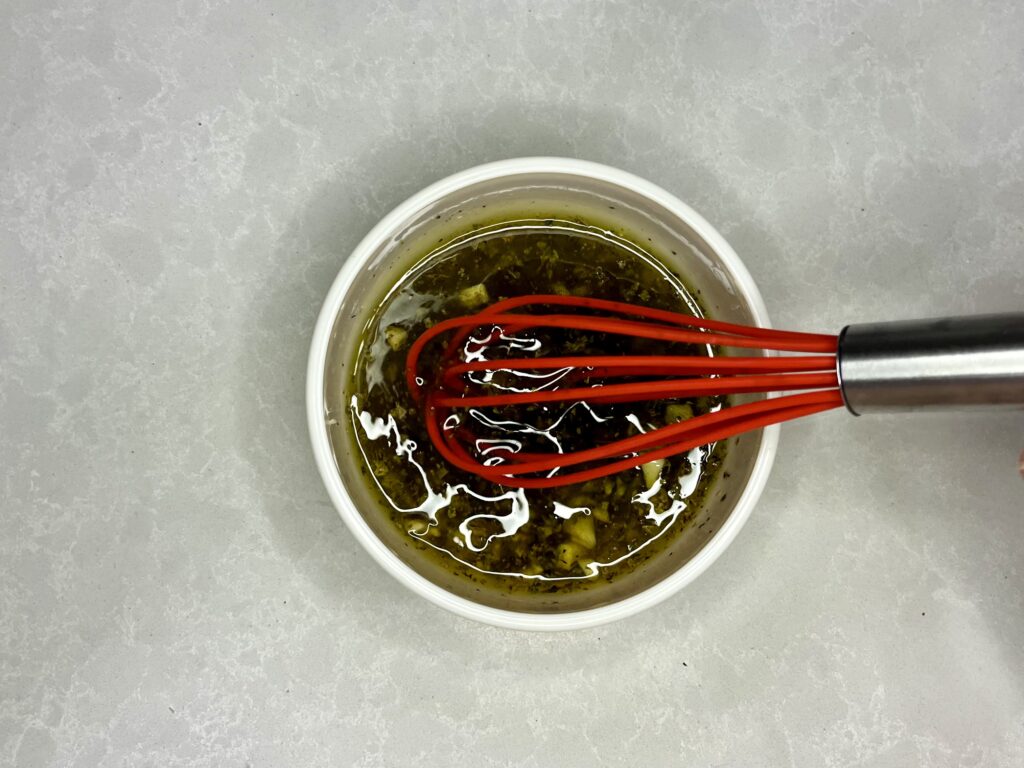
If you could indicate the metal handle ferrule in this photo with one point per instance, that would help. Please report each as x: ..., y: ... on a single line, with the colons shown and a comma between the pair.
x: 940, y: 363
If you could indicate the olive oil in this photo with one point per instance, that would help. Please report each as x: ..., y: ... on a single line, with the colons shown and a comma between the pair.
x: 517, y: 540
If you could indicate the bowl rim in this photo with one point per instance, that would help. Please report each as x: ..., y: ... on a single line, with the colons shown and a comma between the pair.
x: 316, y: 407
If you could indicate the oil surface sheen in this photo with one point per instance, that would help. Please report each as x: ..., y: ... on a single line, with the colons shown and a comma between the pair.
x: 518, y: 540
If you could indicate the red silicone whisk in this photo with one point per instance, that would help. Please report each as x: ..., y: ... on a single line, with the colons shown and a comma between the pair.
x: 897, y: 365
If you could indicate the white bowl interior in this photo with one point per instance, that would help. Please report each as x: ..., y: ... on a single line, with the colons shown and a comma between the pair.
x: 516, y: 189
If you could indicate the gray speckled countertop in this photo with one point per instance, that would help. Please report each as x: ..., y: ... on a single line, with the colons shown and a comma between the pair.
x: 180, y: 181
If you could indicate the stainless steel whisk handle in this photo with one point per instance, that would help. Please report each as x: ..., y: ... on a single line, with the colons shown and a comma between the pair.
x: 941, y: 363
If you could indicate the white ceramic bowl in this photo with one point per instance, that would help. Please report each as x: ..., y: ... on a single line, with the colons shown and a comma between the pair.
x: 546, y: 186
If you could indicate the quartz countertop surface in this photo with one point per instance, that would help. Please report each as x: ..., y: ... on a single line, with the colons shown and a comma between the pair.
x: 179, y: 183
